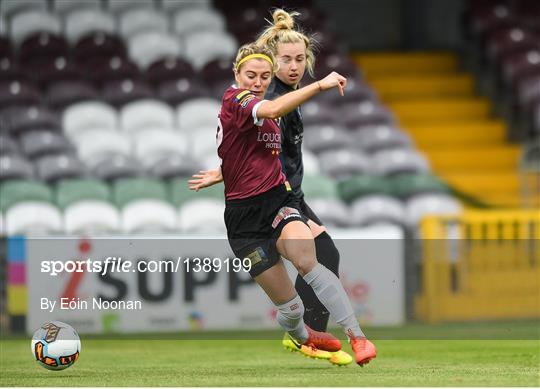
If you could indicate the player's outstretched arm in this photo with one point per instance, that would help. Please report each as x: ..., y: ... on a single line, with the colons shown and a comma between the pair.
x: 205, y: 178
x: 289, y: 101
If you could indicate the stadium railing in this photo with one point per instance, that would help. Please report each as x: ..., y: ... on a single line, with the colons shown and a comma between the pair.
x: 481, y: 265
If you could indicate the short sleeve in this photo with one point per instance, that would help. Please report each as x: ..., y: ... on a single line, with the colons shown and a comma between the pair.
x: 245, y: 105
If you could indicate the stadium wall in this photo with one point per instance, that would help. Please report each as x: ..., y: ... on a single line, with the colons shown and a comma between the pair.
x: 372, y: 270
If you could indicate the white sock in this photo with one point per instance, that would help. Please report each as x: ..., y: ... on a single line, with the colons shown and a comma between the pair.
x: 290, y: 316
x: 331, y: 294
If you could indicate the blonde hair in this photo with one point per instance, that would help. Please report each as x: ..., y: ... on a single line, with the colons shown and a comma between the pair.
x: 251, y: 49
x: 282, y: 30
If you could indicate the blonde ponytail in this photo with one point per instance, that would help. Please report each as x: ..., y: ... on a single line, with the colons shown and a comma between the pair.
x: 282, y: 30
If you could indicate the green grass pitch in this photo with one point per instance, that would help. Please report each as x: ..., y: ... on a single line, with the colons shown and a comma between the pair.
x: 454, y: 355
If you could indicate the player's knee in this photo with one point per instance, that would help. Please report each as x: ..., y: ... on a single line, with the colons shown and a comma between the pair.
x: 327, y: 252
x: 305, y: 264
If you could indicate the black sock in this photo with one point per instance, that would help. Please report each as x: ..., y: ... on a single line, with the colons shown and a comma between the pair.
x: 316, y: 315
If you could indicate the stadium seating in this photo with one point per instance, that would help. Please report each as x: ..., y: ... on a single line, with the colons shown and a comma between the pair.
x: 144, y: 206
x: 362, y: 185
x: 139, y: 20
x: 377, y: 209
x: 398, y: 161
x: 148, y: 47
x: 203, y: 47
x: 143, y: 114
x: 64, y: 7
x: 341, y: 164
x: 88, y: 115
x: 197, y: 113
x: 113, y: 104
x: 15, y: 167
x: 82, y: 22
x: 433, y: 204
x: 372, y: 139
x: 39, y: 143
x: 87, y: 207
x: 153, y: 145
x: 326, y: 137
x: 28, y: 208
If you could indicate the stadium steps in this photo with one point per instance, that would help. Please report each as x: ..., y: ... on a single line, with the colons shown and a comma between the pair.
x: 435, y: 103
x: 394, y: 63
x: 484, y: 159
x: 464, y: 135
x: 504, y: 186
x: 397, y: 87
x: 430, y: 110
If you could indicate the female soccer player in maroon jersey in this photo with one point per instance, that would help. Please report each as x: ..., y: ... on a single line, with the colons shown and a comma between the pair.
x: 263, y: 219
x: 294, y: 51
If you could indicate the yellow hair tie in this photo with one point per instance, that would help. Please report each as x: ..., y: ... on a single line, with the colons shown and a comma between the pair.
x: 248, y: 57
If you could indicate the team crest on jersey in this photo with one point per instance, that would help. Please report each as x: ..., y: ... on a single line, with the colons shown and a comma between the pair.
x: 243, y: 98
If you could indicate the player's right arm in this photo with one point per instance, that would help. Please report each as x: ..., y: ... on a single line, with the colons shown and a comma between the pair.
x: 205, y: 178
x: 286, y: 103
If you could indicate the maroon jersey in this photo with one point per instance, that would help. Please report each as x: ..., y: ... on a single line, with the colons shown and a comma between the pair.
x: 248, y: 147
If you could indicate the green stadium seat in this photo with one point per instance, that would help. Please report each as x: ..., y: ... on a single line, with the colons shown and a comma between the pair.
x: 316, y: 186
x: 87, y: 207
x: 17, y: 191
x: 28, y: 208
x: 181, y: 194
x: 409, y: 185
x: 362, y: 185
x: 72, y: 191
x: 127, y: 190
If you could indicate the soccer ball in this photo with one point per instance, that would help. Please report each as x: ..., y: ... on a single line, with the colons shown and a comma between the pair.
x: 56, y: 345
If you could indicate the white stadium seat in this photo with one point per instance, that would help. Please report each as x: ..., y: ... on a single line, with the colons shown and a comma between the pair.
x: 203, y: 141
x: 170, y: 6
x: 210, y: 161
x: 148, y: 215
x: 341, y: 164
x: 137, y: 21
x: 311, y: 163
x: 397, y: 161
x: 188, y: 21
x: 377, y: 209
x: 65, y: 7
x: 82, y: 22
x: 142, y: 114
x: 203, y: 47
x: 422, y: 205
x: 332, y: 211
x: 33, y: 218
x: 195, y: 113
x: 9, y: 8
x: 94, y: 145
x: 148, y: 47
x: 27, y: 23
x: 91, y: 217
x: 119, y: 6
x: 202, y: 216
x: 88, y: 115
x: 154, y: 144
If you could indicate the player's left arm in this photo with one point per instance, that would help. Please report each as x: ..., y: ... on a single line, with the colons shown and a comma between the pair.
x: 205, y: 178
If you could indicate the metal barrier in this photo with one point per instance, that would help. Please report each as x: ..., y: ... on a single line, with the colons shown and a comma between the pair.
x: 480, y: 265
